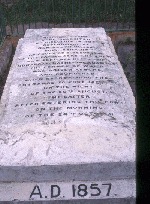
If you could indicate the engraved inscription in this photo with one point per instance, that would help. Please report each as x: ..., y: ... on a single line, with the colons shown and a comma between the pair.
x: 67, y: 78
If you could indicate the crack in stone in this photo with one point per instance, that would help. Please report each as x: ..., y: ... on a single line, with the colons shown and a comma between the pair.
x: 19, y: 140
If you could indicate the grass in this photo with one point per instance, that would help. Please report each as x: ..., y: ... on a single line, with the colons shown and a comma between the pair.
x: 70, y: 11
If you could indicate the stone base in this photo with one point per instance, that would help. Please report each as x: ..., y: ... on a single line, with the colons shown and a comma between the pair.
x: 73, y: 129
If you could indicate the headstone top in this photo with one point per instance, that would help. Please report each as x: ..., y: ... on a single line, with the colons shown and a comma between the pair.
x: 65, y: 32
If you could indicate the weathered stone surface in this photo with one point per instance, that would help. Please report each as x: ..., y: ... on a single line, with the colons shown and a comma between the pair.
x: 66, y: 190
x: 67, y: 102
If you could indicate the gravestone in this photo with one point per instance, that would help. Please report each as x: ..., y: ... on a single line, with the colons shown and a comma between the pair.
x: 67, y: 130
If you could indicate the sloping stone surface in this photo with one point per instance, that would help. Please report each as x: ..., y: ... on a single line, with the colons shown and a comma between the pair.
x: 67, y: 114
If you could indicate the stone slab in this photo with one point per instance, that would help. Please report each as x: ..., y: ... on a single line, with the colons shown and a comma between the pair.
x: 68, y: 106
x: 68, y: 190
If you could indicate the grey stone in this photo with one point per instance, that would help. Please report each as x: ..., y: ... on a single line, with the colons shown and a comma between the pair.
x: 89, y: 201
x: 67, y: 109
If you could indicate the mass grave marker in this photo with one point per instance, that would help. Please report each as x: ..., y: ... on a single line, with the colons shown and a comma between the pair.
x: 67, y: 120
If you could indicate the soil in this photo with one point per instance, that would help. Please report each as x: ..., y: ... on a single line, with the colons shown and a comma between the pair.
x: 126, y: 55
x: 3, y: 78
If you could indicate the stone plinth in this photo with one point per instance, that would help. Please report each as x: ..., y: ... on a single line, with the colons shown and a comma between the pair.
x: 67, y: 119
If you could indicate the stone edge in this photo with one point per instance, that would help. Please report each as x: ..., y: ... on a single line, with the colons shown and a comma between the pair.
x: 81, y: 201
x: 77, y: 172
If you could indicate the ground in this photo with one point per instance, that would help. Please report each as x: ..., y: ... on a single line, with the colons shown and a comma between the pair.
x: 126, y: 55
x: 3, y: 76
